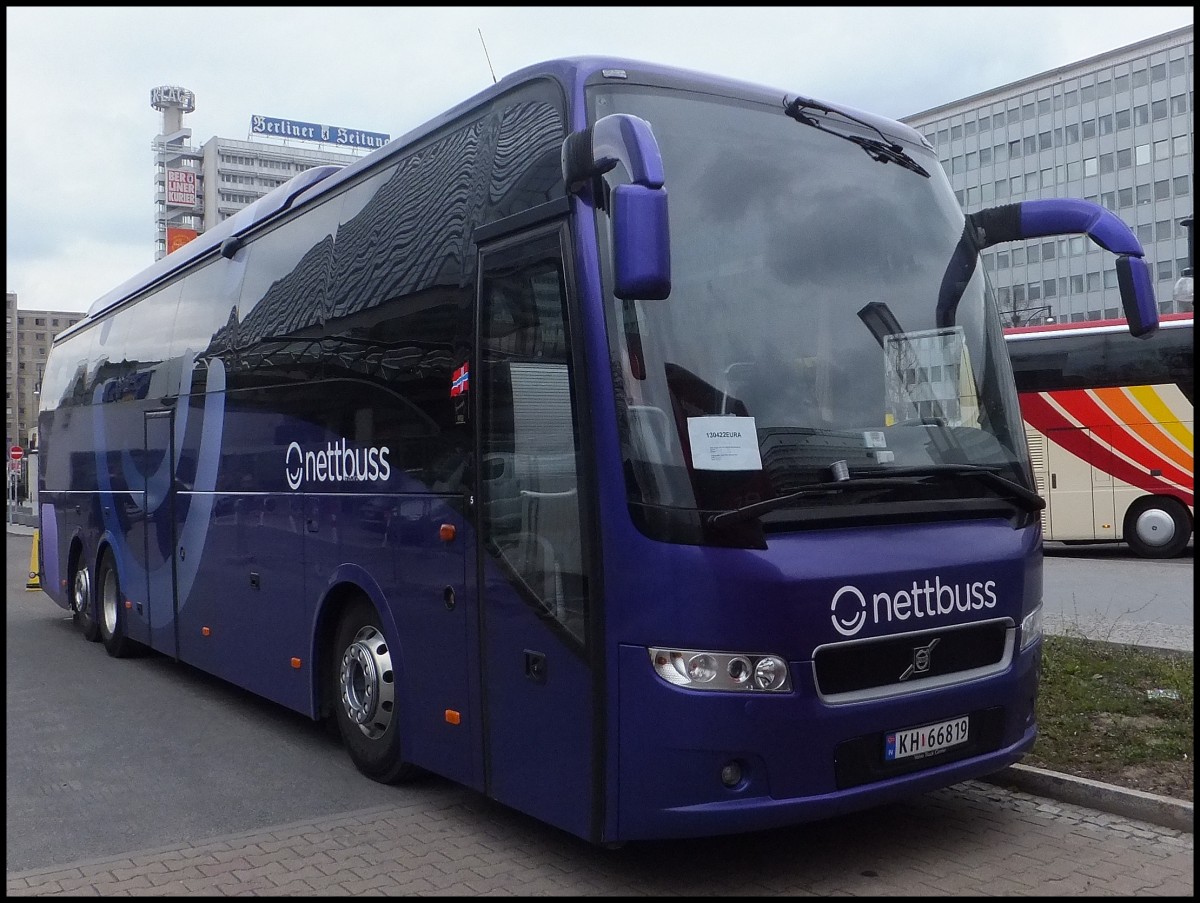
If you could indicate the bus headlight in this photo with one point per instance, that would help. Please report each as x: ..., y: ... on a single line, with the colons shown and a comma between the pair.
x: 1031, y: 627
x: 736, y: 671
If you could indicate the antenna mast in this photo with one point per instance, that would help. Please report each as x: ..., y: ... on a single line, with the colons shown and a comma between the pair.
x: 486, y: 55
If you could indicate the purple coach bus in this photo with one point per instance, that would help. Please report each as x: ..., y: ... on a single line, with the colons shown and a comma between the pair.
x: 637, y: 447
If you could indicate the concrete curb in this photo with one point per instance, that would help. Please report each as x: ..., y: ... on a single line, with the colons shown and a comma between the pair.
x: 1164, y: 811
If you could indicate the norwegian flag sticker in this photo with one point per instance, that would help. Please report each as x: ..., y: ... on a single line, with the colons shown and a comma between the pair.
x: 459, y: 383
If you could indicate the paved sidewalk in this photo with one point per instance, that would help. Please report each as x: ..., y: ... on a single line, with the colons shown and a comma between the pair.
x: 971, y: 839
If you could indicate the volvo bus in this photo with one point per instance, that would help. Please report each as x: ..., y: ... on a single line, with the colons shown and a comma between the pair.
x: 634, y: 446
x: 1109, y: 421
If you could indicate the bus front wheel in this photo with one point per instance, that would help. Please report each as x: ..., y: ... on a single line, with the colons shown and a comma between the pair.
x: 112, y: 611
x: 364, y: 692
x: 81, y: 602
x: 1157, y: 527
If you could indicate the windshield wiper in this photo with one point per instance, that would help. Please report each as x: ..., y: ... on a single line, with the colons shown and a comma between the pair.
x: 1026, y: 498
x: 878, y: 149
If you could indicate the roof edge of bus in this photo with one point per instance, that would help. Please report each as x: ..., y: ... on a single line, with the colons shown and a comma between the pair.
x: 1111, y: 323
x: 267, y: 206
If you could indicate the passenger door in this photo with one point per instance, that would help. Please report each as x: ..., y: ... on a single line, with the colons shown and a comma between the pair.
x: 534, y: 588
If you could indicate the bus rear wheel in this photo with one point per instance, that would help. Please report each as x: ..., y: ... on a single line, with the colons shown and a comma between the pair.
x: 112, y: 611
x: 364, y: 692
x: 1157, y: 527
x: 82, y: 612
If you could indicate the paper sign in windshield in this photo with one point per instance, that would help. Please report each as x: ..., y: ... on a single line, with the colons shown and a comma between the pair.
x: 724, y: 443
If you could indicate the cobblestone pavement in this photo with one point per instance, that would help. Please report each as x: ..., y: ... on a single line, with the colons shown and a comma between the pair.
x: 971, y: 839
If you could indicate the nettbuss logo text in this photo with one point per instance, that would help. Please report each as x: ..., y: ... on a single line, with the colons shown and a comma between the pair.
x: 336, y: 463
x: 850, y: 609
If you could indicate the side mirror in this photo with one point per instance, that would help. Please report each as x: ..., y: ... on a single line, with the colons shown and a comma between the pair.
x: 638, y: 218
x: 1065, y: 216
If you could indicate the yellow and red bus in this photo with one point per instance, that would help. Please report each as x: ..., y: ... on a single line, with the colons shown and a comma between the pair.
x: 1109, y: 424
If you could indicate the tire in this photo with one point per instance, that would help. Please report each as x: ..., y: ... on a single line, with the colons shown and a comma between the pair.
x: 83, y: 607
x: 363, y: 688
x: 111, y: 604
x: 1158, y: 527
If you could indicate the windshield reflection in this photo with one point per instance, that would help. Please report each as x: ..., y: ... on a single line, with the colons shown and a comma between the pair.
x: 782, y: 237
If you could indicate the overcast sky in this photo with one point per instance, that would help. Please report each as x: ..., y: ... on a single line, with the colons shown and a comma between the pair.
x: 80, y: 169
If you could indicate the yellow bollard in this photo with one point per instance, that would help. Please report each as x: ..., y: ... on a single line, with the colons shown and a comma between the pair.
x: 34, y: 581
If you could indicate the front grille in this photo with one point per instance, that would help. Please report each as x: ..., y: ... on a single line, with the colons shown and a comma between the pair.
x: 887, y: 666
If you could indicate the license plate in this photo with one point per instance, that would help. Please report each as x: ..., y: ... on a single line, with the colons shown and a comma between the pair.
x: 924, y: 741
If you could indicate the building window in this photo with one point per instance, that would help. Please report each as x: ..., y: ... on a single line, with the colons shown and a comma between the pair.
x: 1139, y: 78
x: 1002, y: 260
x: 985, y: 123
x: 1181, y: 185
x: 1145, y: 233
x: 1071, y: 133
x: 1070, y: 98
x: 1048, y: 288
x: 1178, y: 67
x: 1141, y: 154
x: 1179, y: 146
x: 1048, y: 250
x: 1163, y: 227
x: 1077, y: 285
x: 1125, y: 197
x: 1018, y: 257
x: 1044, y: 141
x: 1028, y: 111
x: 1031, y: 182
x: 1093, y: 282
x: 1124, y: 158
x: 1158, y: 110
x: 1144, y: 194
x: 1162, y: 189
x: 985, y: 156
x: 1158, y: 73
x: 1124, y: 119
x: 1121, y: 84
x: 1087, y: 93
x: 1178, y: 104
x: 1033, y: 253
x: 1105, y: 125
x: 1089, y: 129
x: 1141, y: 114
x: 1165, y: 270
x: 1090, y: 166
x: 955, y: 132
x: 1000, y: 153
x: 1031, y: 144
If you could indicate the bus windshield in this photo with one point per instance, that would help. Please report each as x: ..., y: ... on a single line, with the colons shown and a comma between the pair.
x: 800, y: 345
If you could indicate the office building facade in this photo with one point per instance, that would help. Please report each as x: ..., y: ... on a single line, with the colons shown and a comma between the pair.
x: 1116, y: 129
x: 28, y: 334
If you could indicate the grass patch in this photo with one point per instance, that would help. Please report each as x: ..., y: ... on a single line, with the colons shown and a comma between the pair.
x: 1118, y: 714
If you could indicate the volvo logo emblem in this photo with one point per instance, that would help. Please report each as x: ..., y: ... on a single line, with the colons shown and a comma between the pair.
x: 920, y: 659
